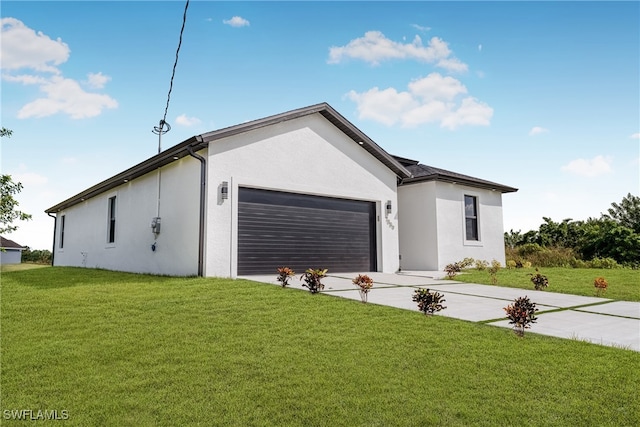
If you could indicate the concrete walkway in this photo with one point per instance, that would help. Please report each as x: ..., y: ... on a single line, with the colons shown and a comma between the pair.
x: 596, y: 320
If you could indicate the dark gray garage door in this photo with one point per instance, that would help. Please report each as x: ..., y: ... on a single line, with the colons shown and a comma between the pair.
x: 299, y: 231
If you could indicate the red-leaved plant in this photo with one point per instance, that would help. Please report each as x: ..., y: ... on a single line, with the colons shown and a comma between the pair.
x: 521, y: 314
x: 364, y: 284
x: 284, y: 274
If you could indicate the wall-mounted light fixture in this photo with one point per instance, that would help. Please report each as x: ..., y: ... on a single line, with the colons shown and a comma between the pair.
x: 389, y: 207
x: 224, y: 190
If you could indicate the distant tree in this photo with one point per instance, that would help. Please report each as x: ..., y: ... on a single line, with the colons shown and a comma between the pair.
x: 8, y: 204
x: 563, y: 234
x: 607, y: 238
x: 512, y: 238
x: 627, y: 213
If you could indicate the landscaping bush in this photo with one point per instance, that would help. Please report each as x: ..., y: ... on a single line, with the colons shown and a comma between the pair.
x: 481, y: 265
x: 521, y: 314
x: 601, y: 285
x: 453, y: 269
x: 539, y: 281
x: 428, y: 302
x: 312, y: 279
x: 284, y: 274
x: 493, y: 271
x: 364, y: 284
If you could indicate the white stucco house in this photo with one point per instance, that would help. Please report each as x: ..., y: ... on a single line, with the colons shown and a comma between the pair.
x: 305, y: 188
x: 10, y: 252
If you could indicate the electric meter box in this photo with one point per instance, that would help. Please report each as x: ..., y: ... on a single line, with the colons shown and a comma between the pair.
x: 155, y: 225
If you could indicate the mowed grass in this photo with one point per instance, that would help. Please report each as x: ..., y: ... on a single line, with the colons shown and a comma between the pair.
x: 116, y: 349
x: 624, y: 283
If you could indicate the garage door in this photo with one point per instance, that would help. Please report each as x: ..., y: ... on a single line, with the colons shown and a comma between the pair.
x: 301, y: 231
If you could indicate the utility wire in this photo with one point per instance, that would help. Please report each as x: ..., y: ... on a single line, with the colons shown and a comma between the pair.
x: 160, y: 129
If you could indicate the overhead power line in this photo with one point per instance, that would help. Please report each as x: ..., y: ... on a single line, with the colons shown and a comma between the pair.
x: 164, y: 127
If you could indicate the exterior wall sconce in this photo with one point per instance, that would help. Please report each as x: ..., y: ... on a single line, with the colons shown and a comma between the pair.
x: 389, y: 207
x: 224, y: 190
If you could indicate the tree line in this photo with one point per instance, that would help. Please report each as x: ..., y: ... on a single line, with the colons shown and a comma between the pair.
x: 615, y: 235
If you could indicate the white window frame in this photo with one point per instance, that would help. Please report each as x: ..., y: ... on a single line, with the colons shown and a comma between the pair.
x: 466, y: 241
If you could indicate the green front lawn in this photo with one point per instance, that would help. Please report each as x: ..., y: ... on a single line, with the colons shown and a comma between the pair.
x: 624, y: 283
x: 117, y: 349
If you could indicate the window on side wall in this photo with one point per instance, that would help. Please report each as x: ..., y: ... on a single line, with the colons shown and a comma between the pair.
x: 62, y: 221
x: 111, y: 233
x: 471, y: 217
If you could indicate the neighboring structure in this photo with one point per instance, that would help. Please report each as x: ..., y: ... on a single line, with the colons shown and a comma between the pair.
x: 10, y: 252
x: 303, y: 189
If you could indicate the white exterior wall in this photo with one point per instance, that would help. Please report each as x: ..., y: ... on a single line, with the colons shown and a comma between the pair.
x: 420, y: 200
x: 86, y: 225
x: 306, y: 155
x: 418, y: 226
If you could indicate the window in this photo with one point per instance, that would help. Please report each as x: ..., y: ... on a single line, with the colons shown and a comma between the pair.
x: 111, y: 235
x: 62, y: 221
x: 471, y: 217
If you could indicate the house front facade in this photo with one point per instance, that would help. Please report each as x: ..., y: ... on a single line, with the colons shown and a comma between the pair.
x: 303, y: 189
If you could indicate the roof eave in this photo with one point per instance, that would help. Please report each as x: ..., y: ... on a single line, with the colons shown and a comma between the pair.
x: 162, y: 159
x: 461, y: 181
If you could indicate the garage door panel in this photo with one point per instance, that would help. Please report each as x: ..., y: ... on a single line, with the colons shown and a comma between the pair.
x: 301, y: 231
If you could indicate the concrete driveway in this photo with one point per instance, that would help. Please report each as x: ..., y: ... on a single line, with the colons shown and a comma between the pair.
x: 596, y: 320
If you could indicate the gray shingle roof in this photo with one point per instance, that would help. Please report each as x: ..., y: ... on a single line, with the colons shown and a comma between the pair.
x: 422, y: 173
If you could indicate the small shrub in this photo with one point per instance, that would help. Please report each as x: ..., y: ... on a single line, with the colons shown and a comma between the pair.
x: 601, y: 285
x: 526, y: 264
x: 539, y: 281
x: 428, y: 302
x: 453, y: 269
x: 481, y: 265
x: 511, y: 264
x: 364, y: 284
x: 284, y: 274
x: 313, y: 279
x: 493, y: 270
x: 521, y: 314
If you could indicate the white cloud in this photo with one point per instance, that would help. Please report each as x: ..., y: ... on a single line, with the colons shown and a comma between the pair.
x: 237, y: 21
x: 97, y: 81
x: 432, y: 99
x: 374, y: 47
x: 183, y: 120
x: 25, y: 79
x: 599, y: 165
x: 387, y: 106
x: 421, y: 28
x: 435, y: 86
x: 66, y: 96
x: 635, y: 136
x: 536, y: 130
x: 22, y: 47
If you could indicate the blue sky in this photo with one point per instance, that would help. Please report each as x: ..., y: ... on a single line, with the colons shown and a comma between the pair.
x: 542, y: 96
